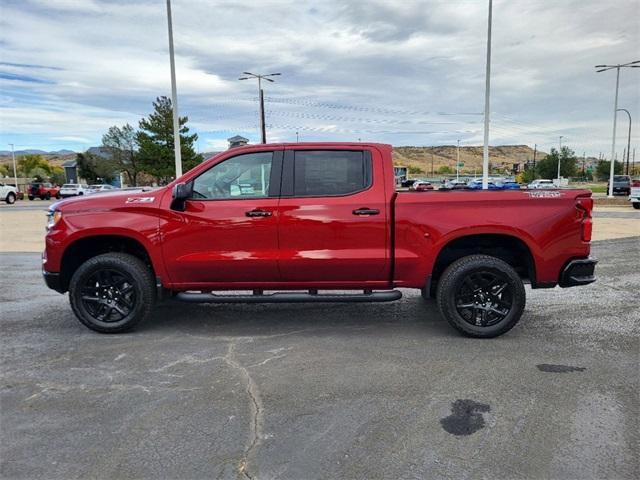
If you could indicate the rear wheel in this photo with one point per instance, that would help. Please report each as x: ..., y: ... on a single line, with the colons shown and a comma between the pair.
x: 112, y: 293
x: 11, y: 198
x: 31, y: 197
x: 636, y: 205
x: 481, y: 296
x: 58, y: 196
x: 47, y: 196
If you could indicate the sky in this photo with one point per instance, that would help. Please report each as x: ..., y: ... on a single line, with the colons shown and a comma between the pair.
x: 393, y: 71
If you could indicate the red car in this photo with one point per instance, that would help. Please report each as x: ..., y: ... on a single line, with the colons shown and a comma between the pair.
x: 317, y: 217
x: 421, y: 186
x: 43, y: 191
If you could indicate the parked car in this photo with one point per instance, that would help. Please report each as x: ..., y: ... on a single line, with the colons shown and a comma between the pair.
x: 621, y: 185
x: 421, y: 186
x: 408, y: 182
x: 100, y: 188
x: 8, y: 193
x: 43, y: 191
x: 455, y: 185
x: 74, y: 189
x: 541, y: 183
x: 476, y: 184
x: 508, y: 185
x: 634, y: 195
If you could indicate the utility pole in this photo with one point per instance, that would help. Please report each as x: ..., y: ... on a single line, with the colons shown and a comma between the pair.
x: 628, y: 138
x: 584, y: 162
x: 15, y: 174
x: 487, y: 90
x: 559, y: 152
x: 263, y: 128
x: 603, y: 68
x: 633, y: 165
x: 432, y: 161
x: 458, y: 162
x: 535, y: 150
x: 174, y: 98
x: 297, y: 138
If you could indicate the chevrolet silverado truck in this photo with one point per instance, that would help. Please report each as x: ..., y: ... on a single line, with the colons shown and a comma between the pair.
x: 314, y: 222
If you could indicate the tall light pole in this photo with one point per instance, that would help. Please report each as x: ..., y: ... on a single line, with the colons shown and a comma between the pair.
x: 487, y: 88
x: 604, y: 68
x: 628, y: 137
x: 15, y: 174
x: 559, y: 152
x: 249, y: 75
x: 174, y: 98
x: 458, y: 161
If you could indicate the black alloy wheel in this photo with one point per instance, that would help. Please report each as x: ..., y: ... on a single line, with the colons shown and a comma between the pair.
x: 484, y: 298
x: 108, y: 295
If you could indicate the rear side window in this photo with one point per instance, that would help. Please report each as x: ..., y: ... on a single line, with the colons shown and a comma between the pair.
x: 330, y: 172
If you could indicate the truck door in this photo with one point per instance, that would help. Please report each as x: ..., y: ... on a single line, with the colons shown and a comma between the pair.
x: 333, y: 216
x: 227, y: 233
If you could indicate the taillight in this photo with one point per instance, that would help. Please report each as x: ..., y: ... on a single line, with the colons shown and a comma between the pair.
x: 585, y: 205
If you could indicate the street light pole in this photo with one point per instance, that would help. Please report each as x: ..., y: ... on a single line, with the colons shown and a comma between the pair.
x: 263, y: 129
x: 559, y: 152
x: 174, y: 98
x: 628, y: 137
x: 15, y: 174
x: 458, y: 161
x: 603, y: 68
x: 487, y: 89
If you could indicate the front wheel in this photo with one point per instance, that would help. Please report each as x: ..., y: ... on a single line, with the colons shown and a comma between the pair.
x: 31, y: 197
x: 481, y: 296
x: 11, y: 198
x: 636, y: 205
x: 58, y: 196
x: 112, y: 293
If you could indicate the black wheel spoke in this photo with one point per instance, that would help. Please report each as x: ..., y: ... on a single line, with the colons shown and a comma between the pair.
x: 484, y: 298
x: 108, y: 295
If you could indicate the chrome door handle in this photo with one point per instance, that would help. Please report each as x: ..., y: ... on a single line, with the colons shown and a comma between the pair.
x: 258, y: 213
x: 366, y: 211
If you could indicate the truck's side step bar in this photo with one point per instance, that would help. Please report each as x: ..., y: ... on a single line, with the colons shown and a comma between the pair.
x: 295, y: 297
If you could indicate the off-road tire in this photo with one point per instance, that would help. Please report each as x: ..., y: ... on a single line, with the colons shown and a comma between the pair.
x: 142, y: 280
x: 11, y: 198
x: 452, y: 281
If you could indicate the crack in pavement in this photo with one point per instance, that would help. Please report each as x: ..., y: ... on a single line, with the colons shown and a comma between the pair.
x: 255, y: 404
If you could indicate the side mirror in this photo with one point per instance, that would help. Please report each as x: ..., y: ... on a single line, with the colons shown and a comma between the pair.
x: 181, y: 192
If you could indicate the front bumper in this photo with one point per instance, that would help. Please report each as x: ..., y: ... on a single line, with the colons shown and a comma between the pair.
x: 578, y: 272
x: 53, y: 281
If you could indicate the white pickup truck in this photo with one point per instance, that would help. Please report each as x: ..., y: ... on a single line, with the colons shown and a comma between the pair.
x: 8, y: 193
x: 634, y: 196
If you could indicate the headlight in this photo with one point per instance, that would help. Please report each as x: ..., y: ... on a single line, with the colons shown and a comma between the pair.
x: 53, y: 217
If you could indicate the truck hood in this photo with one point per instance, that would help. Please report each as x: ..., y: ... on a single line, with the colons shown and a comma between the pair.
x: 109, y: 200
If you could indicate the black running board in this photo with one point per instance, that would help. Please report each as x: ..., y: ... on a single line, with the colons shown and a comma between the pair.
x: 295, y: 297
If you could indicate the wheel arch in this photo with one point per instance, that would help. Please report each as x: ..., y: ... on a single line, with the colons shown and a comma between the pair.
x: 86, y: 247
x: 512, y: 249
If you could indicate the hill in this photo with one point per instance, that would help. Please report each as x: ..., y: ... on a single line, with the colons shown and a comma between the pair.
x: 502, y: 157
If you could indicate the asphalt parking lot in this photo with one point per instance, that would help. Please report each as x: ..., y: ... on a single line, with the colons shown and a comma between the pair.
x: 323, y: 391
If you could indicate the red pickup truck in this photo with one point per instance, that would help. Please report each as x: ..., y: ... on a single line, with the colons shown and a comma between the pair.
x: 309, y: 222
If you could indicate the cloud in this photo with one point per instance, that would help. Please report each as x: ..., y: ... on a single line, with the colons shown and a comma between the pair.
x: 408, y: 72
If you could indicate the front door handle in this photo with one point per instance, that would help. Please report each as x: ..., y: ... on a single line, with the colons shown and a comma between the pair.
x: 258, y: 213
x: 366, y: 211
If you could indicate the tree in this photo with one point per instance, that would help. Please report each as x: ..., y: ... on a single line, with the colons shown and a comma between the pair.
x: 444, y: 169
x: 603, y: 169
x: 548, y: 166
x: 4, y: 171
x: 121, y: 145
x: 29, y: 164
x: 413, y: 170
x: 57, y: 175
x: 94, y: 169
x: 156, y: 150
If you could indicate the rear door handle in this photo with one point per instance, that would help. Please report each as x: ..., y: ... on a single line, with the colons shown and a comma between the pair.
x: 258, y: 213
x: 366, y: 211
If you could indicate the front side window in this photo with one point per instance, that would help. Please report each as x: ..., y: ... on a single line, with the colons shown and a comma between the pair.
x: 244, y: 176
x: 330, y: 172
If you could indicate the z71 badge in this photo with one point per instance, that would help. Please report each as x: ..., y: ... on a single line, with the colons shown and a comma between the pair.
x: 140, y: 200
